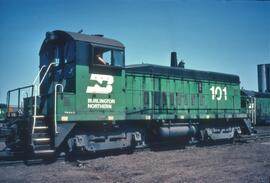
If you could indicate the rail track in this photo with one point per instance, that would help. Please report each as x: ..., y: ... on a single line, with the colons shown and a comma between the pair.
x: 253, y: 137
x: 9, y: 161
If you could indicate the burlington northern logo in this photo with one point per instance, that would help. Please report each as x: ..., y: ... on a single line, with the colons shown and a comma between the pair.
x: 97, y: 88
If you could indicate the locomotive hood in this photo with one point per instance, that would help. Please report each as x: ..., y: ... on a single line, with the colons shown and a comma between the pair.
x: 181, y: 73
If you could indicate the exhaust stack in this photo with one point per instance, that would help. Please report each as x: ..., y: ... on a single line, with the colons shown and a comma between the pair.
x: 173, y: 59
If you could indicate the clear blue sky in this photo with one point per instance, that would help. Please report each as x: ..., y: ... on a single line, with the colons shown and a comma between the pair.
x: 223, y: 36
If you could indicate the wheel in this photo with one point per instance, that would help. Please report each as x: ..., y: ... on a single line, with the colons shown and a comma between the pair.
x: 131, y: 148
x: 233, y: 139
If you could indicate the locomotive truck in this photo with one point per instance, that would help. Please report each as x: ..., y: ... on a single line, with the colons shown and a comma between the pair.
x: 85, y: 98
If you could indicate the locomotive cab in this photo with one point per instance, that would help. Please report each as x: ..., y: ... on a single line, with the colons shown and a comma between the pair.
x: 77, y: 58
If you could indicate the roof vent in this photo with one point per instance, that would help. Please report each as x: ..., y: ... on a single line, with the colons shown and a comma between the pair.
x: 181, y: 64
x: 98, y: 35
x: 80, y: 31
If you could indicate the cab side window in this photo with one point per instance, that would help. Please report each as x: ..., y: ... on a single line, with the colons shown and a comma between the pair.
x: 102, y: 56
x: 118, y: 58
x: 108, y: 56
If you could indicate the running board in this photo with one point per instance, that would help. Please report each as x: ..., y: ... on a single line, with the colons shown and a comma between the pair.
x: 41, y: 139
x: 40, y: 127
x: 48, y: 151
x: 39, y: 116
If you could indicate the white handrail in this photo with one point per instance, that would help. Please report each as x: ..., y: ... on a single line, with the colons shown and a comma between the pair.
x: 51, y: 64
x: 55, y: 104
x: 35, y: 98
x: 35, y: 80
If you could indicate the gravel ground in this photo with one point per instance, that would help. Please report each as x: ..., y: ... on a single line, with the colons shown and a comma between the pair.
x: 248, y: 162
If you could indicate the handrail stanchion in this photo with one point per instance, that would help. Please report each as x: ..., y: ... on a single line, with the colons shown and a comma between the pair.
x: 55, y: 104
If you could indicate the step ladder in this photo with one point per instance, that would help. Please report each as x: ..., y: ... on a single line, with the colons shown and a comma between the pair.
x: 41, y: 140
x: 41, y: 135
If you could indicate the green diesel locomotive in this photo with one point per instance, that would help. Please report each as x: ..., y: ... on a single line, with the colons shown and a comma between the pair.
x: 258, y: 106
x: 84, y: 98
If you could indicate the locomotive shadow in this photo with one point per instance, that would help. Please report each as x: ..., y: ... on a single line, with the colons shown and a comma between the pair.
x: 77, y: 158
x: 80, y: 156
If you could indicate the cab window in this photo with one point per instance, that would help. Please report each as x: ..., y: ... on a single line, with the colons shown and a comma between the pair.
x: 69, y: 52
x: 118, y: 58
x: 63, y: 54
x: 108, y: 57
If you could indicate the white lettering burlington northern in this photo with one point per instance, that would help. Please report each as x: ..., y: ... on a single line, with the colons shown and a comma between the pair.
x: 101, y: 101
x: 99, y: 106
x: 97, y: 103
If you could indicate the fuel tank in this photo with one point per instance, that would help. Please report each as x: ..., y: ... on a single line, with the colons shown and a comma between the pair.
x: 177, y: 131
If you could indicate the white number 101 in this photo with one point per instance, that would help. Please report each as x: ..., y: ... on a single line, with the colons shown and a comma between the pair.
x: 217, y: 93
